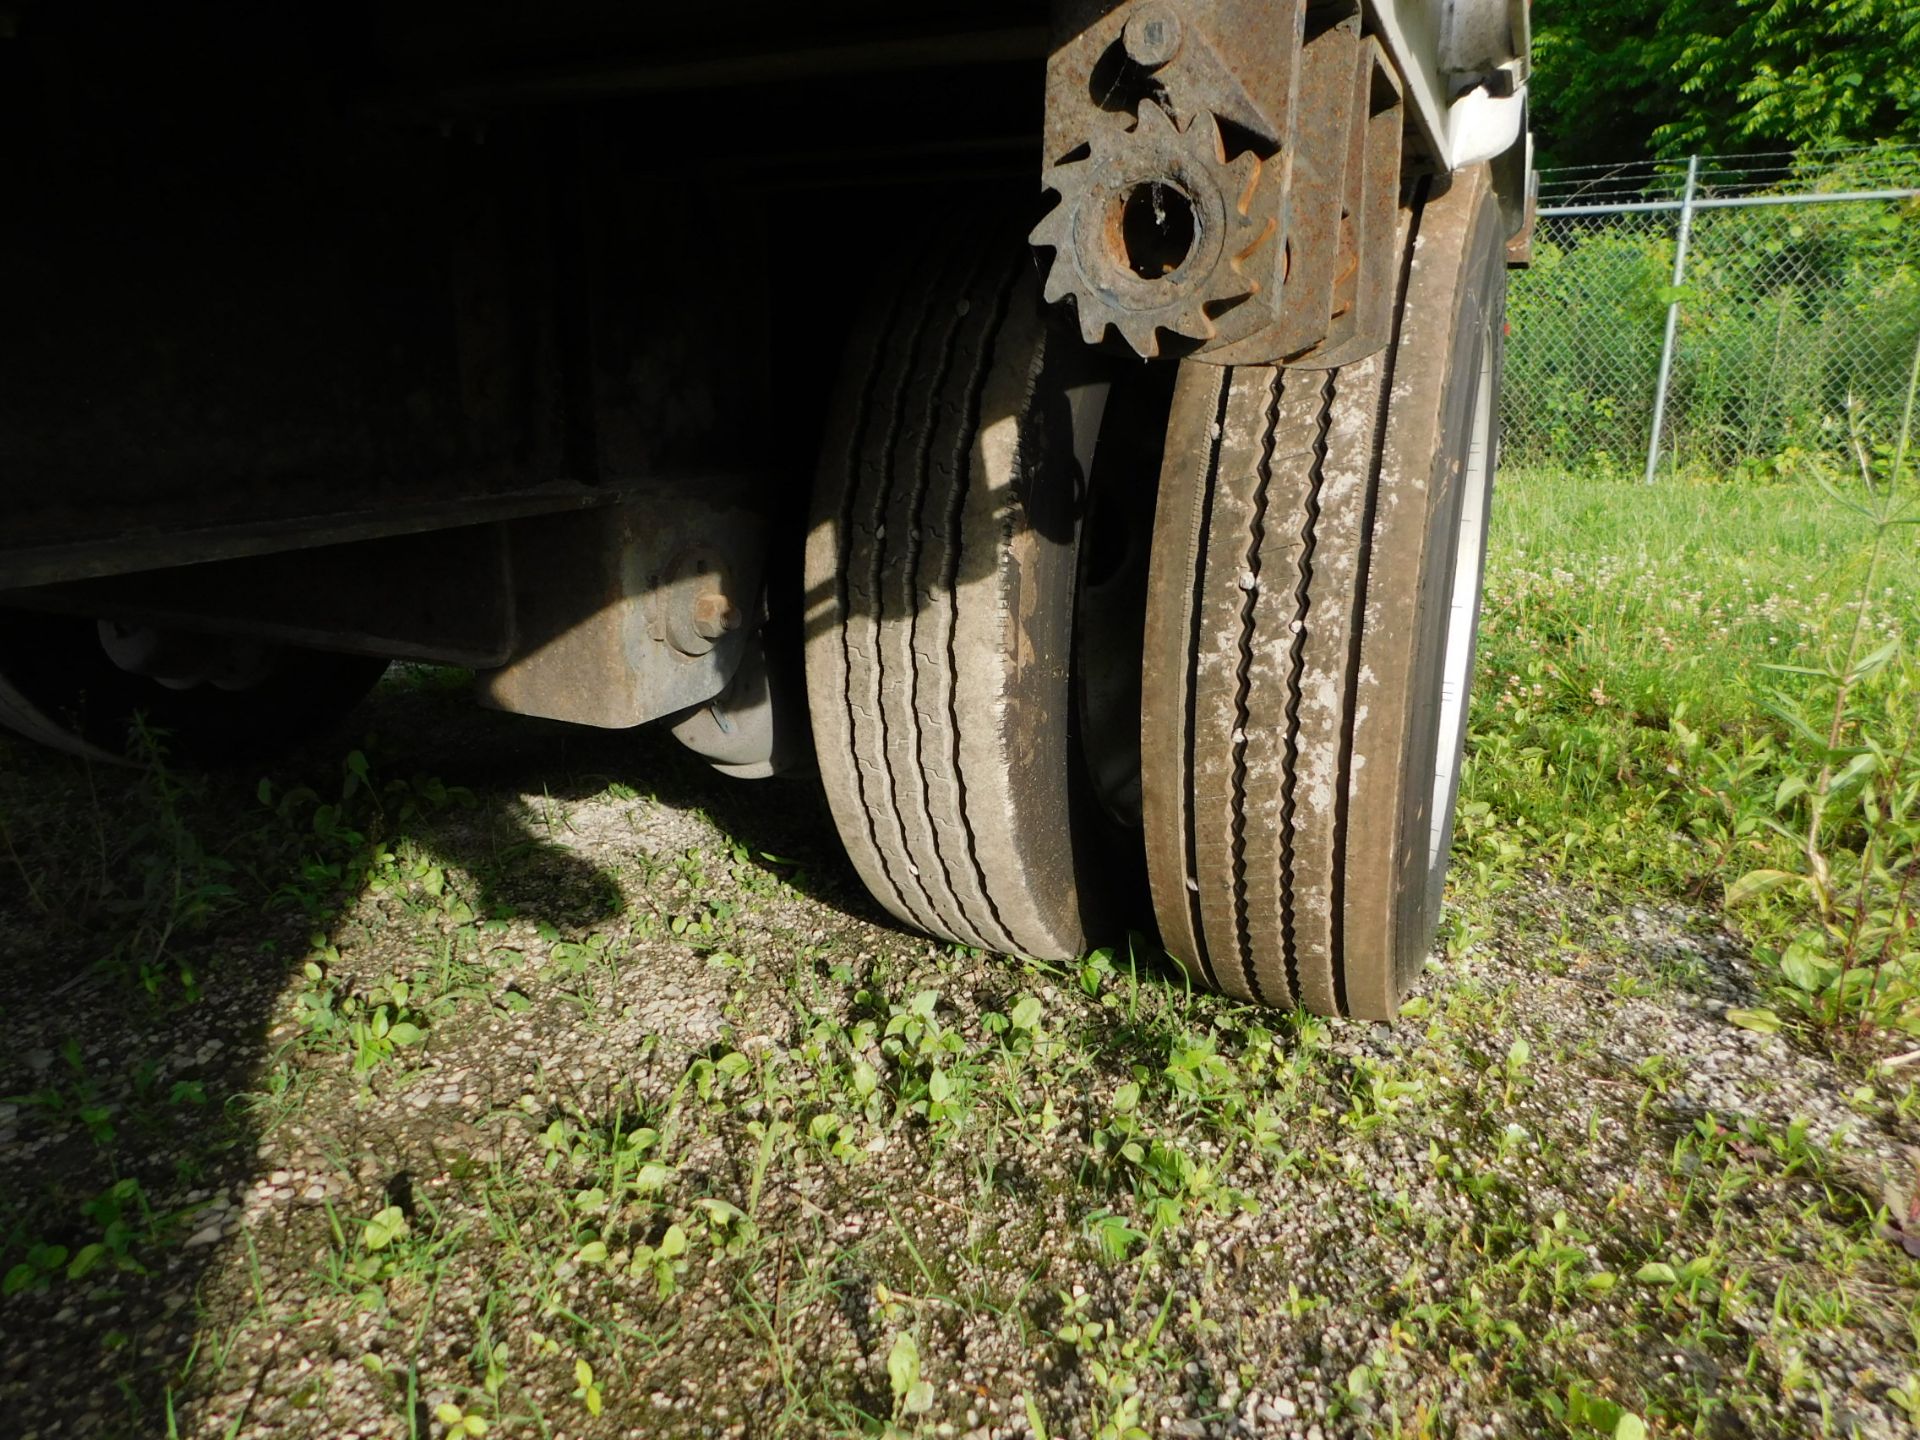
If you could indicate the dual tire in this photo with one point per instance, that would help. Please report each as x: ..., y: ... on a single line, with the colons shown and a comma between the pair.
x: 1306, y: 626
x: 1311, y: 610
x: 941, y: 573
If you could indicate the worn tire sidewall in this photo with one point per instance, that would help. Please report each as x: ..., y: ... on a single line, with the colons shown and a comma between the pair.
x: 1478, y: 323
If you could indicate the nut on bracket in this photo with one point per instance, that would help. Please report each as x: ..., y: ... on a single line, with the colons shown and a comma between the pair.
x: 694, y: 603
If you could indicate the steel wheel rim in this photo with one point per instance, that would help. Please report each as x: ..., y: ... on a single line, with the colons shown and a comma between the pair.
x: 1456, y: 667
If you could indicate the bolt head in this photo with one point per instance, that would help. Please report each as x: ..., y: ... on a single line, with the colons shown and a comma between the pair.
x: 715, y: 615
x: 1152, y: 35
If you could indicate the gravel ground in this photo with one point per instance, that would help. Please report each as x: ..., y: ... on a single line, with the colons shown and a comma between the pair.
x: 590, y: 1096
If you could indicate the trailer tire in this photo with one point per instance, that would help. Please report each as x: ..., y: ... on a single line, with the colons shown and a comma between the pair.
x: 942, y: 565
x: 1312, y: 605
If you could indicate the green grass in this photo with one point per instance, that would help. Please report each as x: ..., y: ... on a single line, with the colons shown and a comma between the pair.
x: 695, y: 1136
x: 1676, y: 594
x: 1681, y: 685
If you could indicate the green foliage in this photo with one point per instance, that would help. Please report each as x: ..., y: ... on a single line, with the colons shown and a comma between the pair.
x: 386, y: 1246
x: 1584, y: 331
x: 1733, y: 710
x: 1849, y: 810
x: 1674, y: 76
x: 912, y: 1395
x: 729, y: 1230
x: 459, y: 1421
x: 935, y: 1075
x: 42, y: 1266
x: 1794, y: 328
x: 373, y: 1027
x: 1113, y: 1361
x: 1589, y: 1416
x: 384, y: 1228
x: 1794, y: 333
x: 665, y: 1261
x: 587, y: 1389
x: 123, y: 1222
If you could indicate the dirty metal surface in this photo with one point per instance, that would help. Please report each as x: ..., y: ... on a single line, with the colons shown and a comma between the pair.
x: 158, y: 546
x: 1227, y: 174
x: 442, y: 598
x: 632, y: 612
x: 1324, y: 123
x: 1372, y: 219
x: 1165, y: 141
x: 1235, y: 58
x: 1348, y: 298
x: 1520, y: 243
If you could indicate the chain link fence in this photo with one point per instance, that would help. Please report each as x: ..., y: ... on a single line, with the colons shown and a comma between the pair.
x: 1794, y: 313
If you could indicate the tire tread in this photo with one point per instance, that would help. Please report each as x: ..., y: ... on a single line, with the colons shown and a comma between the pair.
x: 1288, y: 760
x: 900, y: 522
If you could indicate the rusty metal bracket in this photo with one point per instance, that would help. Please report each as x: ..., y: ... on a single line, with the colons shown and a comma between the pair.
x: 1228, y: 177
x: 1344, y: 242
x: 632, y: 612
x: 1514, y: 172
x: 1363, y: 306
x: 1165, y: 141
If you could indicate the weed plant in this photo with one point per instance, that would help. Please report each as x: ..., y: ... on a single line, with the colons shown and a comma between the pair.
x: 1713, y: 690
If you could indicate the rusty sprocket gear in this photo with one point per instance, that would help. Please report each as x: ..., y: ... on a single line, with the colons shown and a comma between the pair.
x: 1193, y: 269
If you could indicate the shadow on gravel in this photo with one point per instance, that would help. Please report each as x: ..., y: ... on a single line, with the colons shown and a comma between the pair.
x: 784, y: 825
x: 152, y: 924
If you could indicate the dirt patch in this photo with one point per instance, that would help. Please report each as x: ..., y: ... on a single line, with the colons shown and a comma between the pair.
x: 578, y: 1092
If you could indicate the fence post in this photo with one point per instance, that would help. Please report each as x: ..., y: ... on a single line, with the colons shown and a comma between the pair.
x: 1673, y: 319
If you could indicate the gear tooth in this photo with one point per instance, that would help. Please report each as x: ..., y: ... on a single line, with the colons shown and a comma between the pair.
x: 1225, y: 294
x: 1152, y: 116
x: 1233, y: 283
x: 1244, y: 178
x: 1206, y: 127
x: 1143, y: 335
x: 1097, y: 138
x: 1093, y: 329
x: 1052, y: 229
x: 1058, y: 285
x: 1255, y: 242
